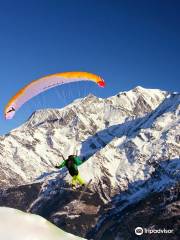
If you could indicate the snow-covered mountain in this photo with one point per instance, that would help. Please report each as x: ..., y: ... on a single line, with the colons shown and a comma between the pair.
x: 87, y: 125
x: 131, y: 143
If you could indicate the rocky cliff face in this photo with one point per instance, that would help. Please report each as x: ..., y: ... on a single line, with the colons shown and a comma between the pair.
x: 131, y: 143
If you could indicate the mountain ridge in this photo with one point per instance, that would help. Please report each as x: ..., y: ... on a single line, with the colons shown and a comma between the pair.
x: 131, y: 144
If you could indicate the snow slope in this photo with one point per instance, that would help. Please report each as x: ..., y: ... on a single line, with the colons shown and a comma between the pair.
x: 17, y: 225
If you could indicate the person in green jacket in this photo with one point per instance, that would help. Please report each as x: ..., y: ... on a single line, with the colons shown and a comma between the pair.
x: 72, y: 163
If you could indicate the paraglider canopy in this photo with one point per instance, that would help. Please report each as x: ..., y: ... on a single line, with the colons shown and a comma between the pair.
x: 42, y: 84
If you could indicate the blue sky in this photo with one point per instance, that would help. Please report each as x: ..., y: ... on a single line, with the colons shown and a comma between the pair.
x: 128, y: 43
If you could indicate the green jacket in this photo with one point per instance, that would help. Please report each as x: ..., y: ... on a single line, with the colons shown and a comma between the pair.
x: 72, y: 165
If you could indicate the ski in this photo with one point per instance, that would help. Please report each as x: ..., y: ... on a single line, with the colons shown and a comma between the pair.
x: 84, y: 190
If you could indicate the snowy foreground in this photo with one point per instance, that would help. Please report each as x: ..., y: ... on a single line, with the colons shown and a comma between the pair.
x: 17, y: 225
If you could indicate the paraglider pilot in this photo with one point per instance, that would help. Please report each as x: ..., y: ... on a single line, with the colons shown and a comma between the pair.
x: 72, y: 163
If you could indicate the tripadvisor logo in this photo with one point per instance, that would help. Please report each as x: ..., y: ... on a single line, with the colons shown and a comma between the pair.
x: 139, y: 231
